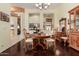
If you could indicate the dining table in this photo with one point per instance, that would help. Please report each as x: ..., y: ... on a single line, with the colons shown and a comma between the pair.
x: 39, y: 40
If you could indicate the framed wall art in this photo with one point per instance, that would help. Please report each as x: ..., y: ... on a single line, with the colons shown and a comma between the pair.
x: 4, y: 17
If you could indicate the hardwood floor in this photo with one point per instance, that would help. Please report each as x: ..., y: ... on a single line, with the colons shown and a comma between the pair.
x: 66, y: 51
x: 60, y: 51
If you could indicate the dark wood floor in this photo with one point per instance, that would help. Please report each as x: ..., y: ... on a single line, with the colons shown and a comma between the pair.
x: 60, y: 51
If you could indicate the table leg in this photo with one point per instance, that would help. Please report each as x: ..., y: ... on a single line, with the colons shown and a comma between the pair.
x: 54, y: 46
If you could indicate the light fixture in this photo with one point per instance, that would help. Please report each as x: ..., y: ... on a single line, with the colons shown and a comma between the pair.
x: 12, y: 27
x: 18, y: 26
x: 42, y: 5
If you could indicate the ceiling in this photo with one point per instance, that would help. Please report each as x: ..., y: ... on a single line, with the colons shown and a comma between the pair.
x: 32, y: 5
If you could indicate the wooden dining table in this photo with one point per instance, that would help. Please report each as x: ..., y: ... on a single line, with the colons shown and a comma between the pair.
x: 40, y: 36
x: 39, y: 40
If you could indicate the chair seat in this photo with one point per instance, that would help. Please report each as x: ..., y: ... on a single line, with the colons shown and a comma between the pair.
x: 50, y: 40
x: 65, y: 38
x: 29, y: 40
x: 29, y: 44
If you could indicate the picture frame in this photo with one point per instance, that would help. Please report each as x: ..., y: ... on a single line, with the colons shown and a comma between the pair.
x: 4, y: 17
x: 0, y: 16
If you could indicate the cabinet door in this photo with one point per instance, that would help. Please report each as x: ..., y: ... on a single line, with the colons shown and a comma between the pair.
x: 77, y: 42
x: 69, y: 39
x: 73, y: 37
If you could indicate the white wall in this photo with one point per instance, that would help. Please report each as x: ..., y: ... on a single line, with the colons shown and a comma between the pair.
x: 4, y: 28
x: 6, y: 39
x: 65, y: 7
x: 63, y: 11
x: 4, y: 35
x: 5, y: 7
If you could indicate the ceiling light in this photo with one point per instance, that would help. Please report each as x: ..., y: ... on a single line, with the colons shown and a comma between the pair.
x: 46, y: 7
x: 36, y: 5
x: 48, y: 3
x: 42, y: 5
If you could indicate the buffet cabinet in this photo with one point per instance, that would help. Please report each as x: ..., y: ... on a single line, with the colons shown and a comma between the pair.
x: 74, y: 40
x: 62, y: 29
x: 58, y: 35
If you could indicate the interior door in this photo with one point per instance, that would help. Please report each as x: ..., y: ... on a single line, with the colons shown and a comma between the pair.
x: 14, y: 37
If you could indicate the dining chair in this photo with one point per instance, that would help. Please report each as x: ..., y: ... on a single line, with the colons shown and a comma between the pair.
x: 28, y: 41
x: 29, y: 44
x: 50, y: 43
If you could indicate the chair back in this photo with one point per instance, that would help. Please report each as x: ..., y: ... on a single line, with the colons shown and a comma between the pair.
x: 25, y: 33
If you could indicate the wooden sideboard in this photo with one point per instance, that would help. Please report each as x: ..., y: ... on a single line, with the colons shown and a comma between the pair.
x: 59, y: 34
x: 62, y: 27
x: 74, y: 40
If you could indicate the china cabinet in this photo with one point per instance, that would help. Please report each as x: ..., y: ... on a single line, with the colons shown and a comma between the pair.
x: 74, y: 28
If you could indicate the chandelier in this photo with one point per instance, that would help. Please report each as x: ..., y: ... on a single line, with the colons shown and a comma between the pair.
x: 42, y: 5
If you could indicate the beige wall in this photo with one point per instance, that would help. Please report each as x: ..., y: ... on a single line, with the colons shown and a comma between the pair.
x: 5, y: 7
x: 65, y: 7
x: 4, y: 36
x: 4, y: 28
x: 6, y: 39
x: 63, y: 11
